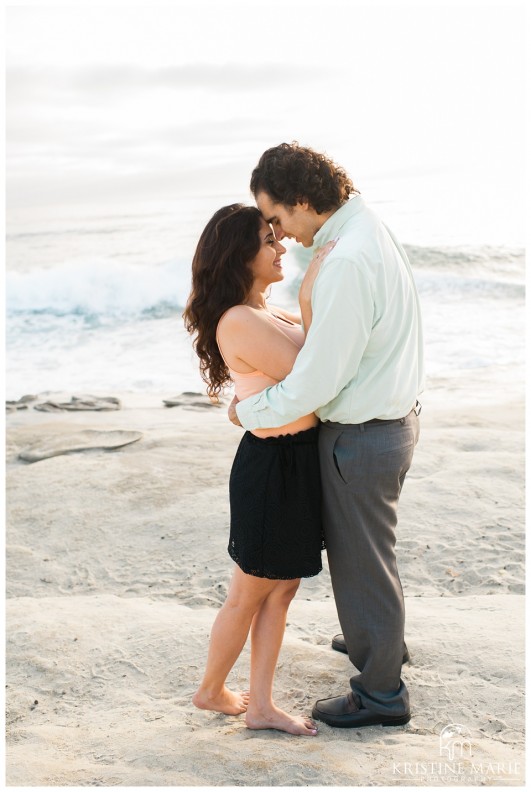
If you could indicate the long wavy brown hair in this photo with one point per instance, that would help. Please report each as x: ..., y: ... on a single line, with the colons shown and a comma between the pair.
x: 221, y: 277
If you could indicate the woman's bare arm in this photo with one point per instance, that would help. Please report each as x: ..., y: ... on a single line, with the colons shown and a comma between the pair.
x: 250, y: 342
x: 305, y: 291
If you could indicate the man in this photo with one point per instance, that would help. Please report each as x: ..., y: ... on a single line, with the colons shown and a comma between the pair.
x: 360, y: 370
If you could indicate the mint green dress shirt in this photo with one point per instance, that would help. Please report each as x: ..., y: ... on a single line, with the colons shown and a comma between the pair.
x: 363, y: 355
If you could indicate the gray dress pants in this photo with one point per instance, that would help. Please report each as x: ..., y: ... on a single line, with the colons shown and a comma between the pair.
x: 363, y: 467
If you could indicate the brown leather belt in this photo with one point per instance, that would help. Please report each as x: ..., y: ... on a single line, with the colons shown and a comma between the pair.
x: 416, y: 409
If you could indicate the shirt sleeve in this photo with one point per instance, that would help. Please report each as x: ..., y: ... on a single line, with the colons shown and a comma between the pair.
x: 343, y: 314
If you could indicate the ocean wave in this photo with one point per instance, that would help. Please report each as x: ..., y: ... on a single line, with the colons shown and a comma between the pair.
x: 492, y: 263
x: 95, y: 288
x: 458, y: 287
x: 461, y: 273
x: 110, y: 288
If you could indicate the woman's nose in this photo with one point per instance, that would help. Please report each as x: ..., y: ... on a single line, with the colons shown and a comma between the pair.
x: 280, y: 248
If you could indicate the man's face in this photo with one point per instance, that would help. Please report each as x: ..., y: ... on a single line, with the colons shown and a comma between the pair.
x: 298, y: 222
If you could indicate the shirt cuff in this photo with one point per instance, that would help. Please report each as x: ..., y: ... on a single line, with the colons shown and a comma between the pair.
x: 248, y: 411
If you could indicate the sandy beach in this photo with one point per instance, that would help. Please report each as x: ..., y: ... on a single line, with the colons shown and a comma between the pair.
x: 117, y: 564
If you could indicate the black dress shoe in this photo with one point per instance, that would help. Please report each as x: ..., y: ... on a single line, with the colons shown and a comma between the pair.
x: 338, y: 643
x: 346, y: 713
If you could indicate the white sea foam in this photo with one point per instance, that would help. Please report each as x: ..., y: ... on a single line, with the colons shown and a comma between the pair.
x: 108, y: 315
x: 117, y: 288
x: 102, y: 287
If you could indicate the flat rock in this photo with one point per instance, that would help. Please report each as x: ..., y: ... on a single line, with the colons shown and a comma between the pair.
x: 80, y: 403
x: 78, y: 441
x: 190, y: 400
x: 20, y: 404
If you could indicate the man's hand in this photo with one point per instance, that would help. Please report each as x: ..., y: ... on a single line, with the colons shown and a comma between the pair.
x: 233, y: 415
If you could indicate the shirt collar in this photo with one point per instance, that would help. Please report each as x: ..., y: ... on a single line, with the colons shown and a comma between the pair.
x: 334, y: 224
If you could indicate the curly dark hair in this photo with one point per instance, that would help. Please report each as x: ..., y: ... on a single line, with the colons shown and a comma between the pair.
x: 292, y: 174
x: 221, y: 277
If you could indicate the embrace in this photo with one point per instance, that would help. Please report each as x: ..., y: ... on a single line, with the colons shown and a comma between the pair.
x: 329, y: 402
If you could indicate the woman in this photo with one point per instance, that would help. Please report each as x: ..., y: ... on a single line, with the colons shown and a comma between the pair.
x: 276, y: 534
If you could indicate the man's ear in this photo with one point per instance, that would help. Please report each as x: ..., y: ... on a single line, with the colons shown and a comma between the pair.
x: 304, y: 205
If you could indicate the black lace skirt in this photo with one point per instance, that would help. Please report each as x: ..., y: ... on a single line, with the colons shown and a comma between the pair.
x: 275, y: 501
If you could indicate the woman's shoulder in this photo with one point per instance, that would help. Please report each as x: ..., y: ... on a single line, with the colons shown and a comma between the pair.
x: 246, y: 314
x: 238, y: 320
x: 237, y: 315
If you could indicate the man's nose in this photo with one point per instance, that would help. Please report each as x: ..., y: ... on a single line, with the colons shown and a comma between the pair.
x: 279, y: 232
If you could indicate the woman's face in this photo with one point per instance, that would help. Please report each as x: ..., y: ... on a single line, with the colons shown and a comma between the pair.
x: 266, y: 266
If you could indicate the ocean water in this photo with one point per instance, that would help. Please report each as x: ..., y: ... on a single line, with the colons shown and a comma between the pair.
x: 94, y: 299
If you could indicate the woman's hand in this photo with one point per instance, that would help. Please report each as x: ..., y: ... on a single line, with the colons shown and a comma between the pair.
x: 305, y: 291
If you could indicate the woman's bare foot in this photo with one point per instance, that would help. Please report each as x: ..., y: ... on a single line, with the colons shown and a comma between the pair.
x: 275, y: 718
x: 227, y: 701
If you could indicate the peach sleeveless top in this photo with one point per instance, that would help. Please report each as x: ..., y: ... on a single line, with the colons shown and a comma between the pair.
x: 255, y: 381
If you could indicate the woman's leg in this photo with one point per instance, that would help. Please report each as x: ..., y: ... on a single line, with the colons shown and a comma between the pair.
x: 267, y: 633
x: 229, y: 633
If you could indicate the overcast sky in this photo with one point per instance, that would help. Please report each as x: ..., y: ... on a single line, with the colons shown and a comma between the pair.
x: 109, y: 101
